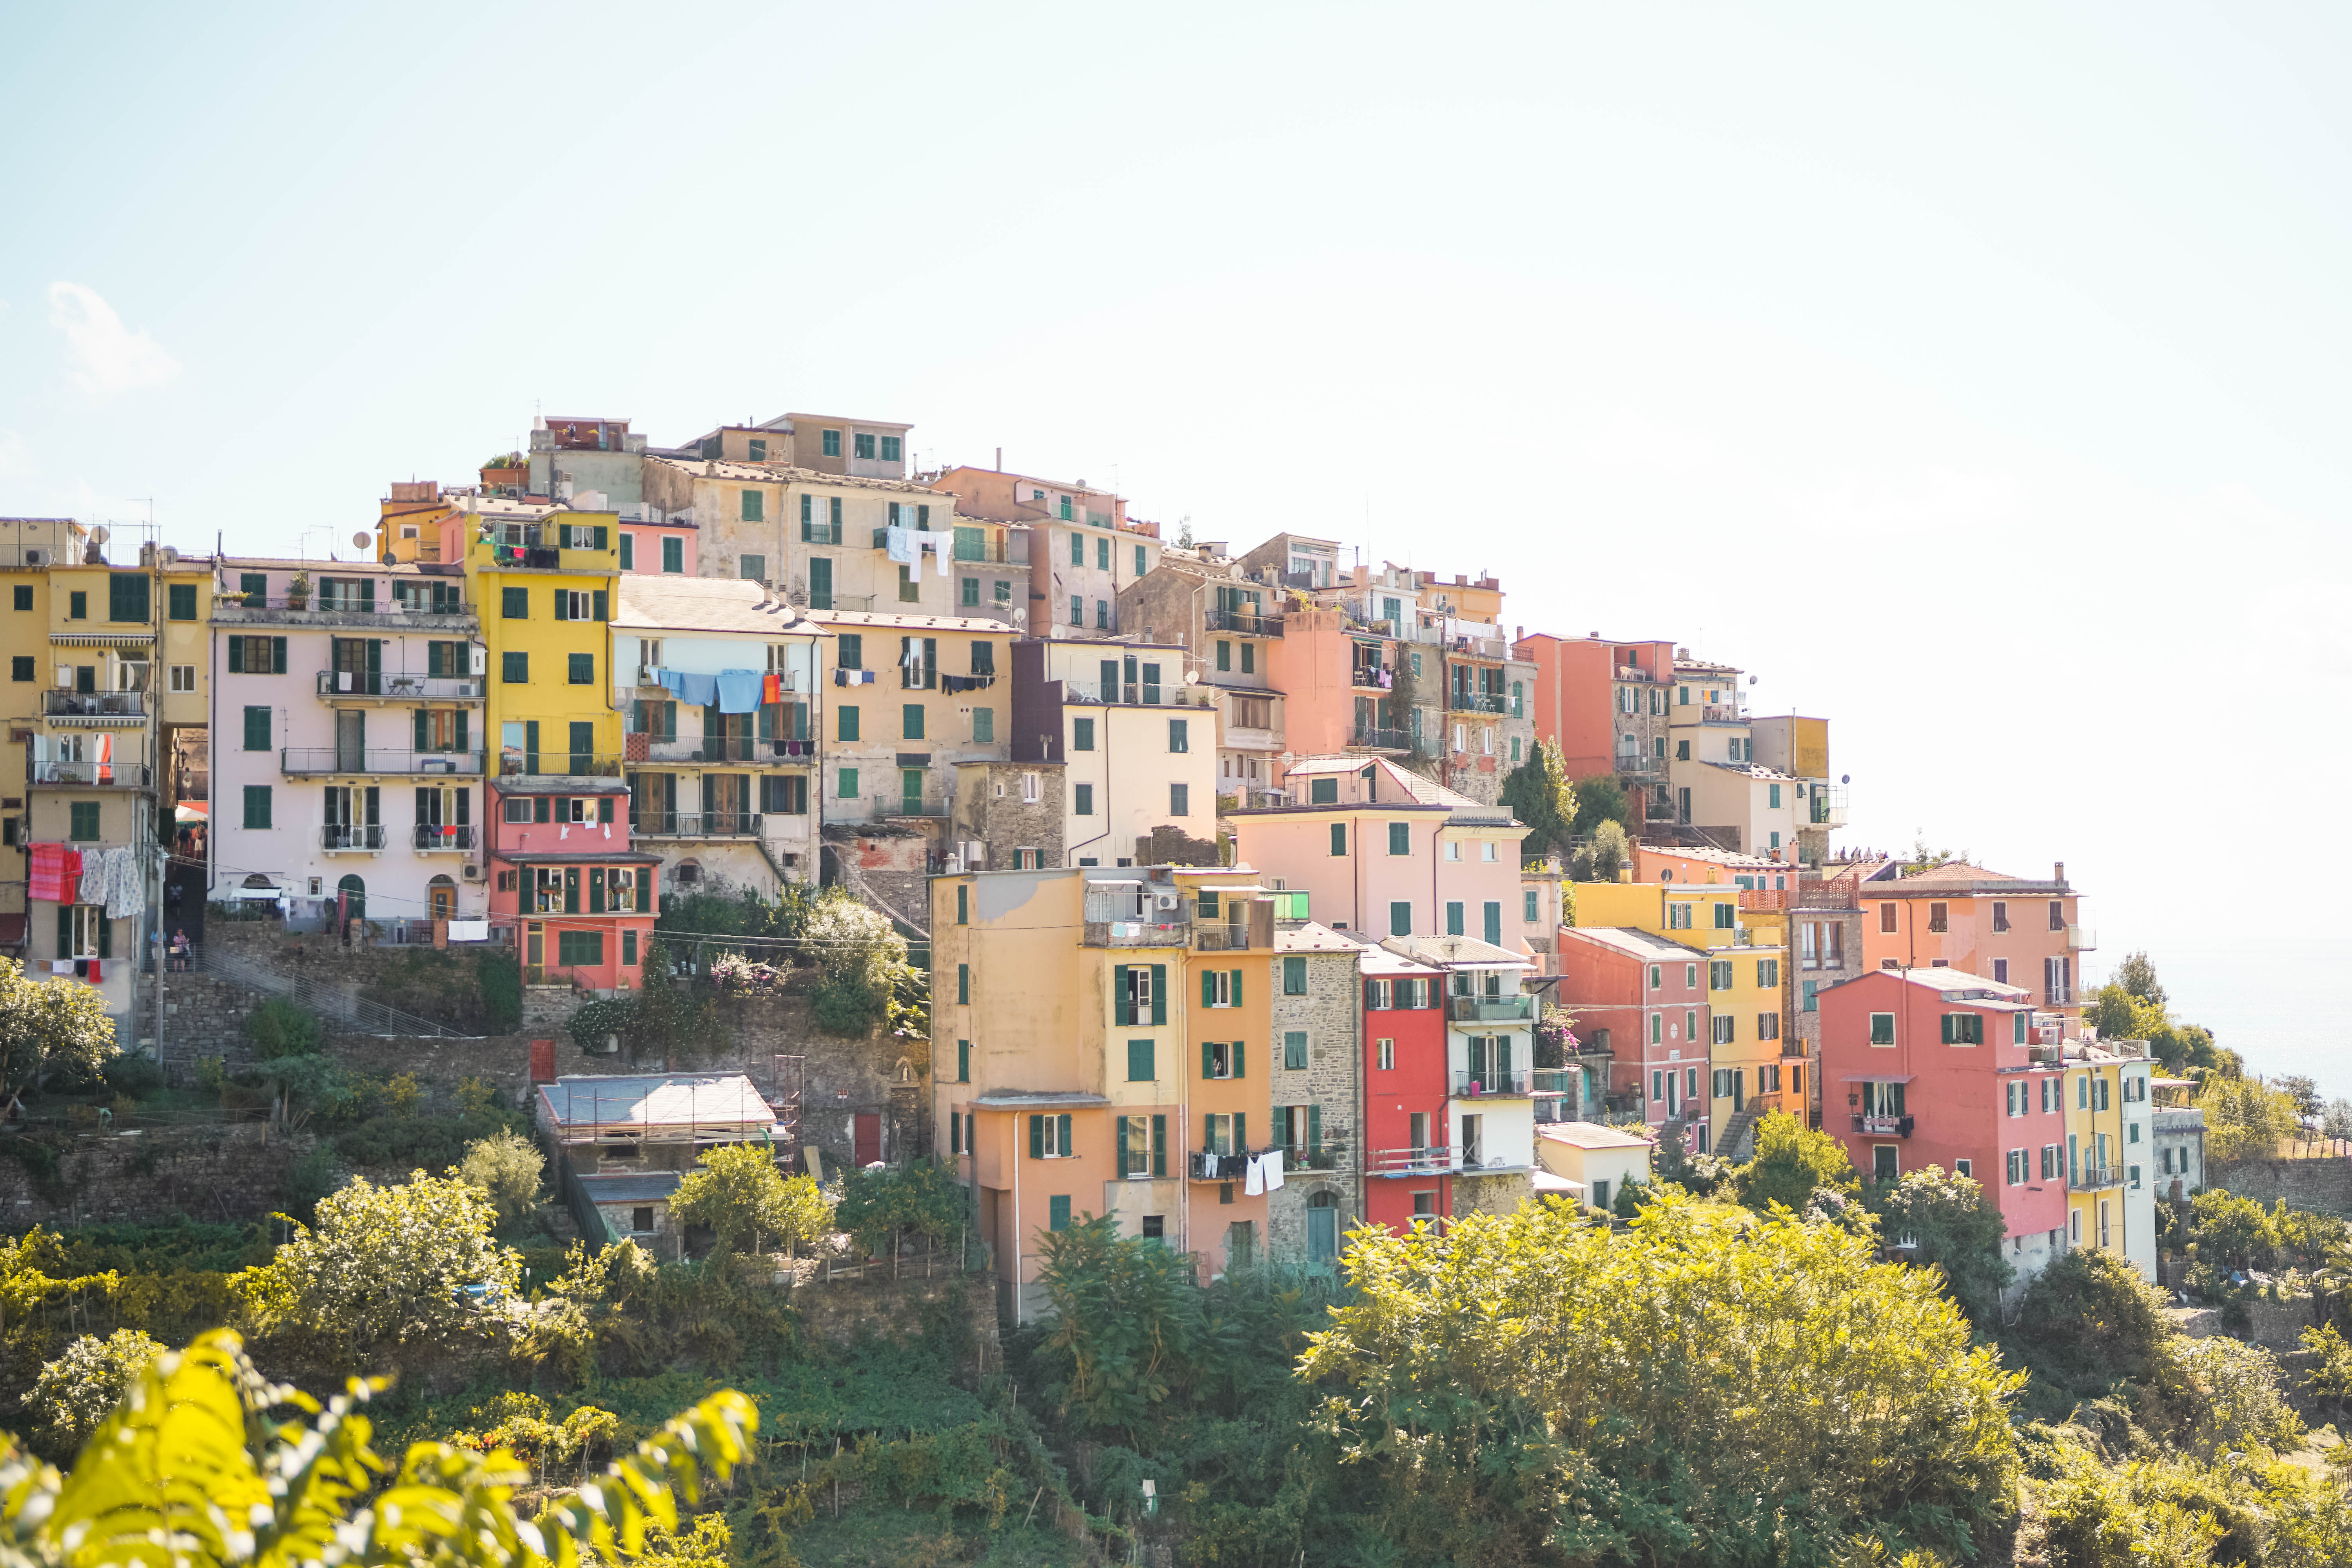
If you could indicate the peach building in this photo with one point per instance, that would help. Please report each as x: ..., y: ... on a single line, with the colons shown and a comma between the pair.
x: 2013, y: 930
x: 1604, y: 702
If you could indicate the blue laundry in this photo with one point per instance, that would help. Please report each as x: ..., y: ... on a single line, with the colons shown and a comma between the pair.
x: 738, y: 690
x: 700, y: 690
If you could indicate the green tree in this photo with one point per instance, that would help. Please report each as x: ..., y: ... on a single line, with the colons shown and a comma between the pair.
x: 2245, y: 1118
x: 2329, y: 1375
x: 1601, y: 798
x: 75, y: 1392
x: 922, y: 1196
x: 1731, y: 1385
x: 1600, y: 860
x: 1950, y: 1225
x: 1538, y: 793
x: 1631, y: 1196
x: 504, y: 1168
x: 191, y: 1470
x: 2088, y: 1319
x: 2233, y: 1231
x: 2118, y: 1015
x: 49, y: 1029
x: 858, y: 957
x: 2137, y: 976
x: 1126, y: 1320
x: 385, y: 1266
x: 738, y: 1195
x: 2304, y: 1092
x: 1791, y: 1160
x: 280, y: 1027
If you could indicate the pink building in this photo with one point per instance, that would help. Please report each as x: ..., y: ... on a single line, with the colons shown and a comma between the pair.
x: 1643, y: 999
x: 1409, y: 1157
x: 566, y: 889
x: 1382, y: 852
x: 655, y: 546
x: 1939, y: 1067
x: 2018, y: 931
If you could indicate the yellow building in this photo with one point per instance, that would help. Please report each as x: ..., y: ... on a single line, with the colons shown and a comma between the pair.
x: 2110, y: 1152
x: 544, y: 589
x: 908, y: 697
x: 1755, y: 1061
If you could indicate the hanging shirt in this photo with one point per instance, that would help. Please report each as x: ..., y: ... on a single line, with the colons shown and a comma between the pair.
x: 1273, y: 1170
x: 1253, y: 1184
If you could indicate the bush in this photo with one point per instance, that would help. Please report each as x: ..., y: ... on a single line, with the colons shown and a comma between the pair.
x: 738, y: 1195
x: 1791, y: 1160
x: 280, y: 1028
x: 2088, y: 1321
x: 141, y: 1078
x: 1952, y: 1228
x: 859, y: 957
x: 504, y: 1168
x: 923, y: 1197
x: 311, y: 1178
x: 2236, y: 1232
x: 498, y: 973
x: 434, y: 1142
x: 75, y: 1392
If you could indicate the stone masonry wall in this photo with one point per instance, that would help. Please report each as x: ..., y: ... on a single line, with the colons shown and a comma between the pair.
x: 991, y: 809
x: 229, y: 1172
x: 1331, y: 1015
x: 2306, y: 1184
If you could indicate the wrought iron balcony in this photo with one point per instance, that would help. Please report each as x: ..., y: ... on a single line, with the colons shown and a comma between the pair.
x: 1437, y: 1159
x: 2094, y: 1177
x: 96, y: 707
x: 447, y: 838
x: 1379, y: 740
x: 297, y: 760
x: 394, y: 684
x: 694, y: 823
x: 1884, y: 1126
x: 336, y: 838
x: 1494, y: 1082
x: 1246, y: 623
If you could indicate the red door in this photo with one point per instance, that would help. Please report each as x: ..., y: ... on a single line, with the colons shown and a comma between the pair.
x: 867, y: 1139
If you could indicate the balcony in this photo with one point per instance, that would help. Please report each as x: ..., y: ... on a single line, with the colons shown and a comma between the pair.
x: 337, y: 838
x: 985, y: 551
x: 1246, y: 623
x: 1494, y: 1083
x: 515, y: 762
x: 89, y: 775
x: 1221, y: 939
x: 2082, y: 939
x: 728, y: 749
x: 1721, y: 713
x: 1884, y: 1126
x: 95, y: 709
x: 381, y: 685
x: 1634, y: 765
x: 295, y: 762
x: 1377, y: 740
x: 2060, y: 996
x: 2094, y: 1177
x: 1826, y: 806
x: 1436, y: 1160
x: 1136, y: 694
x: 1515, y: 1009
x: 694, y: 823
x: 1477, y: 702
x: 322, y: 609
x: 1559, y: 1080
x: 456, y: 838
x: 1634, y: 672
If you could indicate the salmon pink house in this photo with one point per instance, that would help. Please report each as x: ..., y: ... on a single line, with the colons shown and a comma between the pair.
x: 1408, y: 1158
x: 565, y: 887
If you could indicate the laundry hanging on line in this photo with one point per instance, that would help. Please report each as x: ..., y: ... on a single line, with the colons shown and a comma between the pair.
x: 738, y: 690
x: 56, y: 873
x: 695, y: 691
x: 900, y: 545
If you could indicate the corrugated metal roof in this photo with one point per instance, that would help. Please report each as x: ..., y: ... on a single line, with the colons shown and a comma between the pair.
x: 657, y: 1100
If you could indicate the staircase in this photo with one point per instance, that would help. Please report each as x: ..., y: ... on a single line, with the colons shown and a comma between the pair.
x: 1737, y: 1142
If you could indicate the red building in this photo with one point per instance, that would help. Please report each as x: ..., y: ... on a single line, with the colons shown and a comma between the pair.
x: 1643, y: 999
x: 1408, y: 1160
x: 1939, y: 1067
x: 1605, y: 703
x: 565, y: 887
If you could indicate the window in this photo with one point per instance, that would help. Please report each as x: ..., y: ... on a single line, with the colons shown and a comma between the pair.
x: 2000, y: 915
x: 673, y: 556
x: 1678, y: 916
x: 1400, y: 838
x: 846, y: 789
x: 2016, y: 1167
x: 1723, y: 1030
x: 24, y: 595
x: 514, y: 604
x: 1768, y: 973
x: 1528, y: 897
x: 832, y: 443
x: 2057, y: 914
x: 514, y: 668
x: 1811, y: 1003
x: 1294, y: 975
x: 1727, y: 916
x: 257, y: 811
x: 1180, y: 735
x: 1323, y: 791
x: 1221, y: 1058
x: 1719, y: 974
x: 1180, y: 800
x: 126, y: 596
x: 1887, y: 917
x: 1963, y: 1030
x: 1882, y: 1028
x: 983, y: 726
x: 1339, y: 838
x: 1082, y: 800
x: 20, y: 668
x: 573, y: 948
x: 77, y: 606
x: 1294, y: 1048
x: 1140, y: 1067
x: 1400, y: 919
x: 1453, y: 918
x: 910, y: 722
x: 754, y: 510
x: 1939, y: 917
x: 184, y: 677
x: 1082, y: 735
x: 182, y: 599
x: 1768, y: 1025
x: 581, y: 668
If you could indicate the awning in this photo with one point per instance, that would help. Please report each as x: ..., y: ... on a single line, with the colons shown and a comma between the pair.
x: 190, y: 810
x: 1875, y: 1078
x: 100, y: 639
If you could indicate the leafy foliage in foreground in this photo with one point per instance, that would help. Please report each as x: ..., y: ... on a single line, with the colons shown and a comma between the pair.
x: 1710, y: 1387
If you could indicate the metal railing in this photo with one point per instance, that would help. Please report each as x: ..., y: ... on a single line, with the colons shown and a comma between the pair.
x: 1884, y: 1126
x: 384, y: 683
x: 1476, y: 702
x: 1221, y: 939
x: 552, y: 763
x: 352, y: 836
x: 117, y: 774
x: 1490, y: 1009
x: 1437, y: 1159
x: 300, y: 759
x: 1134, y: 933
x: 694, y: 824
x: 982, y: 550
x: 1493, y: 1081
x: 1246, y: 623
x: 430, y: 837
x: 1635, y: 763
x: 2096, y: 1176
x: 124, y: 705
x: 352, y: 1013
x: 1378, y: 738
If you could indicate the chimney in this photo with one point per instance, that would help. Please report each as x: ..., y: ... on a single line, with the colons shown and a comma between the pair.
x: 2058, y: 873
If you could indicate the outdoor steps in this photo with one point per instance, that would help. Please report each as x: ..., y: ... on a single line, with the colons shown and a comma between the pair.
x: 1738, y: 1144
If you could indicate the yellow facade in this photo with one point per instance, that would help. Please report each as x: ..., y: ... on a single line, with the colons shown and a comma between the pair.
x: 2110, y: 1152
x: 1746, y: 984
x: 548, y: 635
x: 876, y: 730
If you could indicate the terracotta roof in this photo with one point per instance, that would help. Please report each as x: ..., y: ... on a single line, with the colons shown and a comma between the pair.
x: 706, y: 604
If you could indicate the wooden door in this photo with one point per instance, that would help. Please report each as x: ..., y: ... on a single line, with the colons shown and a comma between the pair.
x: 866, y: 1138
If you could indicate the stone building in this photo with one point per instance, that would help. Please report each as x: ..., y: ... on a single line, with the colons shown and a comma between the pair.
x: 1013, y: 811
x: 1316, y: 1055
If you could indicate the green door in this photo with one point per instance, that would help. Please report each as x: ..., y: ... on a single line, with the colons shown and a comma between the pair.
x: 910, y: 789
x: 1322, y: 1233
x: 583, y: 747
x: 819, y: 583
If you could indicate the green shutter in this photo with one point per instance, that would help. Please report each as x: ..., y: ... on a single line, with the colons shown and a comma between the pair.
x: 596, y: 890
x: 418, y: 715
x: 1037, y: 1138
x: 1238, y: 988
x: 1057, y: 1209
x: 1314, y: 1129
x: 1208, y: 1061
x: 1159, y: 1145
x: 964, y: 984
x: 1063, y: 1129
x: 257, y: 727
x: 1121, y: 1169
x: 963, y: 1061
x: 1159, y: 994
x: 461, y: 736
x: 105, y: 937
x: 646, y: 890
x: 563, y: 605
x: 1241, y: 1125
x: 237, y: 656
x: 571, y: 889
x: 1208, y: 987
x: 277, y: 656
x: 1122, y: 1003
x: 65, y: 930
x: 599, y: 602
x: 604, y: 541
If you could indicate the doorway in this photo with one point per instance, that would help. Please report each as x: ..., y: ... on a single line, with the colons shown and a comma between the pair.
x: 351, y: 741
x: 442, y: 892
x: 865, y: 1138
x: 1322, y: 1229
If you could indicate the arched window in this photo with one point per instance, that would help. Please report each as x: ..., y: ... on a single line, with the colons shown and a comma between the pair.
x: 689, y: 872
x: 356, y: 906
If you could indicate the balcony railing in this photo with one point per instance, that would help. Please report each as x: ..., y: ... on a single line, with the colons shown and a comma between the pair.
x: 1557, y: 1080
x: 1635, y: 762
x: 1136, y: 693
x: 1136, y: 933
x: 1721, y: 713
x: 1477, y: 702
x: 2060, y: 996
x: 516, y: 763
x: 300, y: 759
x: 382, y: 683
x: 1437, y: 1159
x: 2082, y: 939
x: 336, y: 837
x: 130, y: 707
x: 1246, y: 623
x: 117, y: 774
x: 694, y: 824
x: 1884, y: 1126
x: 2094, y: 1177
x: 1380, y: 739
x: 1494, y: 1082
x: 1221, y: 939
x: 981, y: 550
x: 450, y: 837
x: 1827, y: 806
x: 1490, y: 1009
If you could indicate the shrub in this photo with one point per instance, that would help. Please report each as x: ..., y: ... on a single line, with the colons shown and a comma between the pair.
x: 140, y: 1077
x: 1952, y: 1228
x: 921, y: 1196
x: 309, y: 1179
x: 738, y: 1195
x: 1791, y: 1160
x: 2231, y: 1230
x: 2086, y: 1320
x: 859, y: 957
x: 280, y: 1028
x: 75, y: 1392
x: 498, y: 973
x: 504, y: 1168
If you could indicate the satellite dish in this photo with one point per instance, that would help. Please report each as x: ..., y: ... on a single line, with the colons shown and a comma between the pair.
x: 1020, y: 618
x: 1754, y: 679
x: 101, y: 534
x: 1845, y: 778
x: 1192, y: 677
x: 360, y: 540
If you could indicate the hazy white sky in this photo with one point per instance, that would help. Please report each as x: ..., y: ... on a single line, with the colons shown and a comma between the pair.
x: 1974, y: 376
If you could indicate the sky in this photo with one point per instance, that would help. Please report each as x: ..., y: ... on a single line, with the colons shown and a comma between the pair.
x: 1971, y: 376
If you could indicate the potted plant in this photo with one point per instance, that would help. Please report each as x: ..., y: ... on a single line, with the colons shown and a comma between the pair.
x: 298, y: 592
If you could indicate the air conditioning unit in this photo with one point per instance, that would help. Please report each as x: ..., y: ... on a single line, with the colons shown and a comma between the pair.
x: 37, y: 557
x: 473, y: 873
x: 1172, y: 900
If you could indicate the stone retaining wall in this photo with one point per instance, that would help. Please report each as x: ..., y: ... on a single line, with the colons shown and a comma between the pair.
x: 2303, y: 1184
x: 213, y: 1173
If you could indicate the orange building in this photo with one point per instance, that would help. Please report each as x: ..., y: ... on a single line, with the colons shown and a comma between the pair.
x: 1605, y: 703
x: 2013, y: 930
